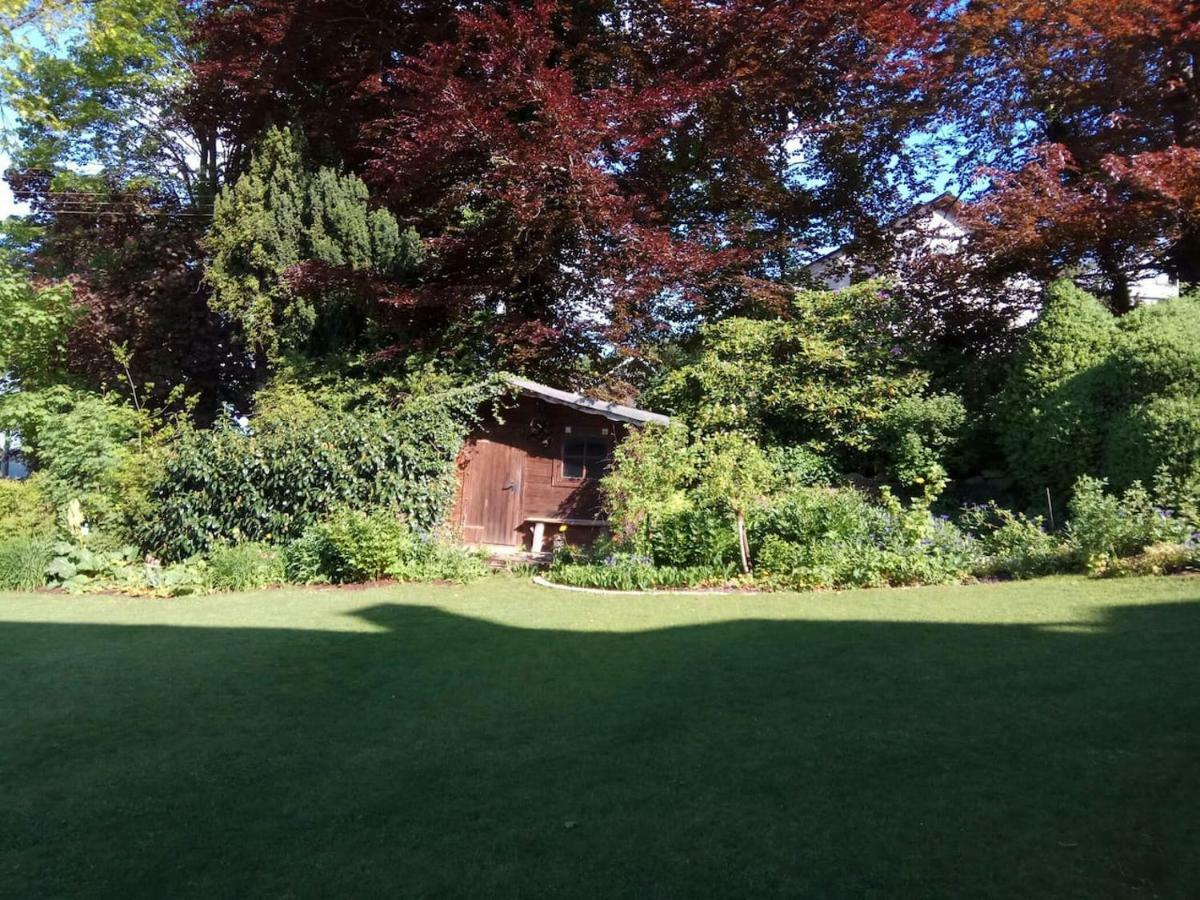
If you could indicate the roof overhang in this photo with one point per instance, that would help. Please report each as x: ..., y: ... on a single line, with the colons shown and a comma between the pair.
x: 631, y: 415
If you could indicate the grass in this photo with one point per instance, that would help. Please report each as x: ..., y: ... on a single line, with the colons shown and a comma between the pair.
x: 1039, y: 739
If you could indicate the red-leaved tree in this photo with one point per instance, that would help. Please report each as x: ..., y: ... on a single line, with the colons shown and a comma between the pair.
x: 1087, y: 114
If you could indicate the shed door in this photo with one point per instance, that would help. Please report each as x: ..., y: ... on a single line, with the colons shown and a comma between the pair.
x: 492, y: 494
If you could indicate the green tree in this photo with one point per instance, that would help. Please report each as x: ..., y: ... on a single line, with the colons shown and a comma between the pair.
x: 278, y: 217
x: 1049, y: 422
x: 36, y: 321
x: 735, y: 473
x: 102, y: 84
x: 652, y: 469
x: 827, y: 377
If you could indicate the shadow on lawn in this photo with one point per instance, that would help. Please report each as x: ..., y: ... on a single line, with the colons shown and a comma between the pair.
x: 449, y: 756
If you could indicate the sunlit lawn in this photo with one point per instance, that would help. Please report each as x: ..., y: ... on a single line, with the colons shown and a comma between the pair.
x: 502, y: 740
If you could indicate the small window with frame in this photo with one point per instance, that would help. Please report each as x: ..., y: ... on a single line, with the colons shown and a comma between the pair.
x: 585, y: 457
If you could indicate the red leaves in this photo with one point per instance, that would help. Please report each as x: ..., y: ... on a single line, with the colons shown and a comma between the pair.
x: 518, y: 177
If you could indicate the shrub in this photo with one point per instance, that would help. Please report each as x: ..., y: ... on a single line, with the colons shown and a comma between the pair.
x: 1013, y: 544
x: 24, y: 508
x: 825, y: 377
x: 919, y: 433
x: 244, y: 567
x: 435, y: 561
x: 1158, y: 559
x: 79, y: 568
x: 355, y: 546
x: 23, y: 562
x: 797, y: 466
x: 1156, y: 438
x: 648, y: 481
x: 837, y: 538
x: 270, y: 484
x: 306, y: 560
x: 362, y: 546
x: 698, y: 535
x: 1105, y: 527
x: 1048, y: 418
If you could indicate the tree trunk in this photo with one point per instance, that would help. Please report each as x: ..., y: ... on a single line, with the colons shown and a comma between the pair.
x: 743, y: 543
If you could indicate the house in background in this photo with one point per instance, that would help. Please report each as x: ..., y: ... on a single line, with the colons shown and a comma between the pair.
x: 11, y: 464
x: 935, y: 227
x: 537, y: 472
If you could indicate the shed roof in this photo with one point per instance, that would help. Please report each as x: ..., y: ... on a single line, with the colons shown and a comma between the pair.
x: 614, y: 411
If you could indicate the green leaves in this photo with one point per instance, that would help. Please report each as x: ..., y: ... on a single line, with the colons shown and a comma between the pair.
x: 36, y: 320
x: 826, y: 377
x: 287, y: 473
x: 277, y: 216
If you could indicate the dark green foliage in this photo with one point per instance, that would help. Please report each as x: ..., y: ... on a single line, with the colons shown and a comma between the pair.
x: 1048, y: 422
x: 1150, y: 439
x: 23, y: 561
x: 701, y: 535
x: 819, y: 538
x: 919, y: 433
x: 278, y: 216
x: 363, y: 546
x: 1091, y: 396
x: 273, y: 482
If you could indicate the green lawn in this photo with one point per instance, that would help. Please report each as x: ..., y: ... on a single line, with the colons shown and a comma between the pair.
x: 502, y: 740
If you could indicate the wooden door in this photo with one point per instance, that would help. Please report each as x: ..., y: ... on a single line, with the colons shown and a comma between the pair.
x: 492, y: 494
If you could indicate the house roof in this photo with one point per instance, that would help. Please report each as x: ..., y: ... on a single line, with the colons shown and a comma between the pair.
x: 614, y: 411
x: 945, y: 202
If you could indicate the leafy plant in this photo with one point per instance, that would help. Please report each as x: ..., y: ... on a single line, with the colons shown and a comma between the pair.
x: 271, y: 482
x: 244, y: 567
x: 1013, y: 544
x: 630, y: 573
x: 1105, y: 528
x: 364, y: 546
x: 24, y: 508
x: 23, y: 561
x: 355, y: 546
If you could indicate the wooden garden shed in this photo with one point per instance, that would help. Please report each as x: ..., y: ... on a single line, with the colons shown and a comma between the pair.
x: 536, y: 473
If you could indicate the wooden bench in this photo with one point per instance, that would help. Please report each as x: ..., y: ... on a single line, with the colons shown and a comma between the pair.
x: 540, y: 523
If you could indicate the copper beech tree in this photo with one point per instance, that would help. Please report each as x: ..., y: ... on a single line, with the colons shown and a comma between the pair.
x: 587, y: 174
x: 1087, y: 116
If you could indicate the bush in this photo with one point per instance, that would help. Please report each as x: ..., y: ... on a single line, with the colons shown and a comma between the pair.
x: 362, y: 546
x: 699, y: 535
x: 1105, y: 528
x: 23, y: 562
x: 24, y: 508
x: 434, y: 561
x: 836, y: 538
x: 919, y: 433
x: 244, y: 567
x: 797, y: 466
x: 354, y: 546
x: 1049, y: 420
x: 272, y: 483
x: 78, y: 568
x: 1013, y: 544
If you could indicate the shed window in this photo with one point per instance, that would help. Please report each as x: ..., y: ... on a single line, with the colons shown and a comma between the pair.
x: 584, y: 457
